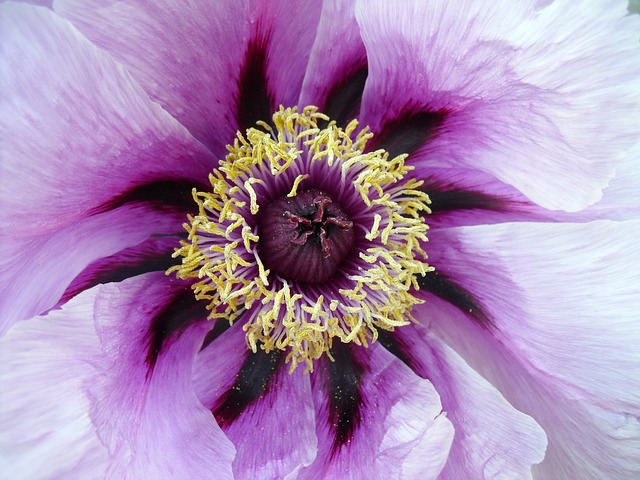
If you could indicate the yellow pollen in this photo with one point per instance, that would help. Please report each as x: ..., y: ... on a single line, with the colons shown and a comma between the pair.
x: 296, y: 184
x: 371, y: 291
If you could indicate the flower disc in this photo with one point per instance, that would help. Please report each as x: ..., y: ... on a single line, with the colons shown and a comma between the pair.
x: 307, y: 237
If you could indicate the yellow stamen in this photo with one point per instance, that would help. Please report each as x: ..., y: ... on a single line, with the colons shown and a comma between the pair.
x: 296, y: 184
x: 222, y: 254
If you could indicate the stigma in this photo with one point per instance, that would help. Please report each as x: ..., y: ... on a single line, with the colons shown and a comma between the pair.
x: 306, y: 238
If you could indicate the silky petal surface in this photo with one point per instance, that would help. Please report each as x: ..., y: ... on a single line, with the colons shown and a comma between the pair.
x: 154, y: 254
x: 493, y: 440
x: 401, y: 431
x: 462, y: 197
x: 190, y: 57
x: 562, y: 343
x: 274, y: 435
x: 148, y: 415
x: 37, y: 269
x: 45, y: 428
x: 337, y: 67
x: 621, y: 198
x: 465, y: 61
x: 93, y: 132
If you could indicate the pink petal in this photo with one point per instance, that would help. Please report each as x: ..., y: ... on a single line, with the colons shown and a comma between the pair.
x: 470, y: 197
x: 562, y: 347
x: 504, y: 114
x: 82, y: 400
x: 155, y: 254
x: 274, y: 434
x: 146, y: 414
x: 493, y: 439
x: 621, y: 199
x: 191, y: 59
x: 400, y: 431
x: 44, y: 407
x: 36, y: 270
x: 337, y: 68
x: 83, y: 136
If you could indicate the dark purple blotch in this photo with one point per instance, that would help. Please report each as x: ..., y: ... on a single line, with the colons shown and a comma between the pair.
x: 171, y: 320
x: 443, y: 200
x: 408, y: 131
x: 441, y: 286
x: 345, y: 396
x: 172, y: 195
x: 254, y: 99
x: 254, y: 378
x: 345, y: 96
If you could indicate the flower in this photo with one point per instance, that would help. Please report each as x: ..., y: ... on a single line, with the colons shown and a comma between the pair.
x: 521, y: 129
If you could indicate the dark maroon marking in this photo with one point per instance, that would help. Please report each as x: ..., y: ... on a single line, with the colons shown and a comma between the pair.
x: 345, y: 399
x: 254, y: 99
x: 172, y: 320
x: 443, y: 287
x: 252, y: 382
x: 407, y: 132
x: 458, y: 199
x: 152, y: 255
x: 221, y: 326
x: 174, y: 195
x: 345, y: 97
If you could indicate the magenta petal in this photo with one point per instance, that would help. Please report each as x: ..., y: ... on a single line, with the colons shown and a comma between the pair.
x: 148, y: 414
x: 213, y: 46
x: 274, y: 435
x: 92, y: 131
x: 400, y: 430
x: 509, y: 109
x: 562, y: 344
x: 484, y: 421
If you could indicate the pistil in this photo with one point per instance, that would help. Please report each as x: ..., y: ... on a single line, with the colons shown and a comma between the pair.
x: 305, y: 238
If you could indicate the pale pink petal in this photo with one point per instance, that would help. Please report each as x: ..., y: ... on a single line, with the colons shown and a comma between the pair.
x: 45, y: 428
x: 470, y: 197
x: 561, y: 345
x: 205, y: 60
x: 80, y: 398
x: 266, y: 412
x: 146, y: 412
x: 621, y: 198
x: 75, y: 128
x: 476, y: 66
x: 399, y: 430
x: 35, y: 270
x: 493, y: 440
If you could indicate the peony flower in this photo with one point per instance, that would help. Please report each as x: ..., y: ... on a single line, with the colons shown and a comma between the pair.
x: 214, y: 240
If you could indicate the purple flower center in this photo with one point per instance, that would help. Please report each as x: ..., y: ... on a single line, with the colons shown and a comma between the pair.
x: 335, y: 258
x: 304, y: 238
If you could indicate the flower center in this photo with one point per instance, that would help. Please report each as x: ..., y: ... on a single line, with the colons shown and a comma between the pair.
x: 304, y: 238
